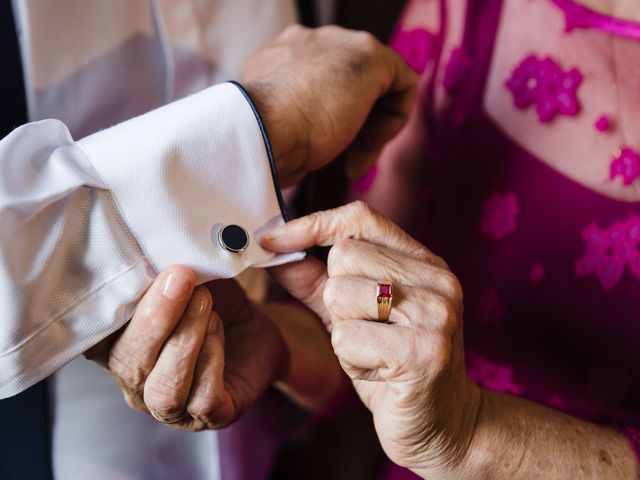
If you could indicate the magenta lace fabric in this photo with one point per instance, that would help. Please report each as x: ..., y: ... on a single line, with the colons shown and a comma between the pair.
x: 550, y: 269
x: 578, y: 16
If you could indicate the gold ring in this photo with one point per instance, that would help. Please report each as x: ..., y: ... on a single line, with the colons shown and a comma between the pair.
x: 384, y: 298
x: 169, y: 422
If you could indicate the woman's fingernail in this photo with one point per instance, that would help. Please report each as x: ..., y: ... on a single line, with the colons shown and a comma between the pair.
x: 175, y: 286
x: 199, y: 303
x: 274, y: 234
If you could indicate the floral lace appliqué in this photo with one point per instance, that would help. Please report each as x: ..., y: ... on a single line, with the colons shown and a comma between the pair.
x: 415, y: 46
x: 499, y: 214
x: 603, y: 124
x: 609, y: 250
x: 365, y: 183
x: 545, y: 83
x: 625, y: 165
x: 493, y: 376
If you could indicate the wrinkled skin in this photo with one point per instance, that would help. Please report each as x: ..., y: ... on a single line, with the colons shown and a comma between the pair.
x: 328, y: 90
x: 410, y: 371
x: 177, y: 361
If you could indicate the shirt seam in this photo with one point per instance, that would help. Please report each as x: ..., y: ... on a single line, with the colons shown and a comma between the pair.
x: 267, y: 145
x: 81, y: 299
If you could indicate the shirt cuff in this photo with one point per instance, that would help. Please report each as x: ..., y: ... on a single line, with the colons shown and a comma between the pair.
x: 182, y: 172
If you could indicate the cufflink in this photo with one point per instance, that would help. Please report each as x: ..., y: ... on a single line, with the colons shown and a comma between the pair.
x: 233, y: 238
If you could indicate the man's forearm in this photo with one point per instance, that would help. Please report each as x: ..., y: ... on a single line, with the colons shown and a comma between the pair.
x: 313, y: 375
x: 516, y: 438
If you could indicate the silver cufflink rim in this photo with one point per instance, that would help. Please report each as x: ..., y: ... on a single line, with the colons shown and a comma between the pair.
x: 227, y: 247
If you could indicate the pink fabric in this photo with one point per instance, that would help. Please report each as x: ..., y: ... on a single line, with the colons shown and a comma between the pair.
x: 626, y: 165
x: 416, y: 46
x: 545, y: 83
x: 550, y: 268
x: 578, y: 16
x: 603, y: 123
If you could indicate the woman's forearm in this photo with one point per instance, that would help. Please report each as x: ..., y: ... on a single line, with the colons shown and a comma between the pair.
x: 516, y: 438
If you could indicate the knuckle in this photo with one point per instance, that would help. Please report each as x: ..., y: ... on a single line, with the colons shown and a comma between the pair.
x: 361, y: 208
x: 338, y: 338
x: 365, y: 41
x: 363, y: 216
x: 443, y: 314
x: 338, y: 255
x: 129, y: 374
x: 293, y: 29
x: 163, y: 398
x: 331, y: 292
x: 205, y: 406
x: 329, y: 30
x: 452, y: 286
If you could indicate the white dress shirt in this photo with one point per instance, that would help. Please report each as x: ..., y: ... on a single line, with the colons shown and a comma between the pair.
x: 87, y: 219
x: 88, y: 216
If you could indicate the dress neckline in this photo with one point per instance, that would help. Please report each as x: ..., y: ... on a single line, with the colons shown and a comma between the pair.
x: 579, y: 16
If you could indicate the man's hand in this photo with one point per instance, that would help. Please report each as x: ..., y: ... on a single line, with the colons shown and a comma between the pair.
x: 177, y: 361
x: 323, y: 91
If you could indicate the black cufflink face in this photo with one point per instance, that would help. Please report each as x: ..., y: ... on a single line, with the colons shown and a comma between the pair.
x: 233, y: 238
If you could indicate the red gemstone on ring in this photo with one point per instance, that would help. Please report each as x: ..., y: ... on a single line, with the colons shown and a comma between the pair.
x: 384, y: 290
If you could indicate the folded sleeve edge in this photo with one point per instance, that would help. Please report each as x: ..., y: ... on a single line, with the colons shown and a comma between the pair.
x: 267, y: 145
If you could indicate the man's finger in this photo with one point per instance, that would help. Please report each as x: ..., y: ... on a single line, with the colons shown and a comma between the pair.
x: 355, y: 220
x: 168, y: 386
x: 134, y: 354
x: 210, y: 403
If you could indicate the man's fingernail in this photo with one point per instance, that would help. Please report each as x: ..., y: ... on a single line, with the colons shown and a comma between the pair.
x: 199, y: 303
x: 175, y: 286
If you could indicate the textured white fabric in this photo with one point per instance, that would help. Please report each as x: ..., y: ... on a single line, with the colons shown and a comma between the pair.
x: 71, y: 269
x: 204, y: 165
x: 70, y: 272
x: 98, y: 437
x: 93, y: 64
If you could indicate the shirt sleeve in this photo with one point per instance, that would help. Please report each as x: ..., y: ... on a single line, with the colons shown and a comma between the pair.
x: 85, y: 226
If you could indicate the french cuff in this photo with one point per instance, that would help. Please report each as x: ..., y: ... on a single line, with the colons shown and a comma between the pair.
x: 181, y: 173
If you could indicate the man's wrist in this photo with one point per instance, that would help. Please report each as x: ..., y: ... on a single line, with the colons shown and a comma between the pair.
x: 282, y: 129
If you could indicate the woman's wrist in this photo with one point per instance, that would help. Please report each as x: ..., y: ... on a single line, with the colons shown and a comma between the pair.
x: 465, y: 455
x: 486, y: 444
x: 515, y: 438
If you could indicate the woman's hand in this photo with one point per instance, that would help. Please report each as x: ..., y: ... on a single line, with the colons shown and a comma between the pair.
x: 177, y: 360
x: 410, y: 371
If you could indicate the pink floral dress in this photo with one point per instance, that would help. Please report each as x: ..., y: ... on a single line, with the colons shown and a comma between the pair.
x: 531, y: 162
